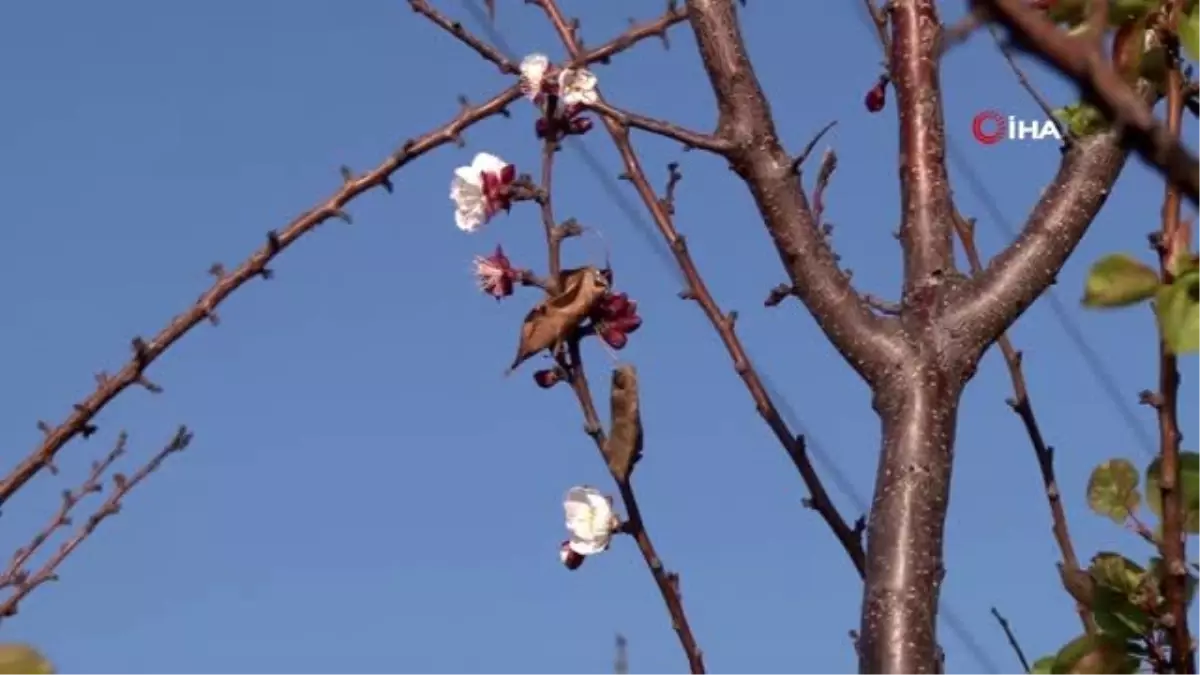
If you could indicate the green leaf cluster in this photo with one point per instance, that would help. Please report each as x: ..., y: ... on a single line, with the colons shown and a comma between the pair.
x: 1120, y: 280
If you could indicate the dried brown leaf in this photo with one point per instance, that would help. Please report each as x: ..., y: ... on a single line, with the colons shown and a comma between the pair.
x: 624, y: 446
x: 555, y: 318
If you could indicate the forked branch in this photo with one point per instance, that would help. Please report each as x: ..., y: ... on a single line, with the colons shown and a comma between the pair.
x: 20, y: 579
x: 660, y: 211
x: 147, y: 352
x: 1022, y: 405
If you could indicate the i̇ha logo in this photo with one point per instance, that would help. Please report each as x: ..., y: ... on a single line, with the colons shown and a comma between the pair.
x: 990, y: 127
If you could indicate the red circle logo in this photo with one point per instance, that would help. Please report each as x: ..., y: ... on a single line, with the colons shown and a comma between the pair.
x: 989, y: 127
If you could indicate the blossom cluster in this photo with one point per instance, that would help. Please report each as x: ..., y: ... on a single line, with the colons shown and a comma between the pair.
x: 489, y: 186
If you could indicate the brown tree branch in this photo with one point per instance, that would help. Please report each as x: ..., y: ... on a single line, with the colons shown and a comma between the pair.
x: 690, y: 139
x: 145, y: 353
x: 661, y: 213
x: 23, y: 582
x: 1021, y: 404
x: 1172, y: 547
x: 990, y: 302
x: 925, y: 229
x: 487, y: 51
x: 869, y: 343
x: 635, y: 526
x: 1082, y: 62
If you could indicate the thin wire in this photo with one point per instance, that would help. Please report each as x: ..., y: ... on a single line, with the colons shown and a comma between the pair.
x: 949, y: 616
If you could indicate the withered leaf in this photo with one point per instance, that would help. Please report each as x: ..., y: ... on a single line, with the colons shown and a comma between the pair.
x: 624, y: 446
x: 552, y: 320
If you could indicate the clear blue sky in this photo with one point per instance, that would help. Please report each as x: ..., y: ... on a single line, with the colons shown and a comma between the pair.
x: 366, y: 492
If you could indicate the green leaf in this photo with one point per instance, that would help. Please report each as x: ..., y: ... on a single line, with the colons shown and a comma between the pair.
x: 1089, y: 654
x: 1112, y: 489
x: 1121, y: 586
x: 1119, y: 280
x: 1082, y: 119
x: 1116, y: 572
x: 1178, y: 310
x: 1188, y: 485
x: 17, y: 658
x: 1189, y: 33
x: 1043, y: 666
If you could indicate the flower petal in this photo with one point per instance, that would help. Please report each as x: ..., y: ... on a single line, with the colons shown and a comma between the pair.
x: 487, y: 163
x: 467, y: 177
x: 588, y: 547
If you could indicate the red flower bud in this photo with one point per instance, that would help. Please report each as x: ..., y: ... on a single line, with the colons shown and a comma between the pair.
x: 547, y: 378
x: 877, y: 96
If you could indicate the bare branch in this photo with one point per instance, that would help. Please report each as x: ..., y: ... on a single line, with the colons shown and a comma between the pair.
x: 868, y: 342
x: 690, y: 139
x: 488, y: 52
x: 111, y: 506
x: 925, y: 230
x: 990, y: 302
x: 1082, y: 62
x: 145, y: 353
x: 1027, y: 85
x: 1021, y: 404
x: 660, y: 212
x: 1012, y: 640
x: 1173, y: 544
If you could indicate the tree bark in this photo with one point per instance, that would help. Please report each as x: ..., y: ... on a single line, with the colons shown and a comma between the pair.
x: 918, y: 409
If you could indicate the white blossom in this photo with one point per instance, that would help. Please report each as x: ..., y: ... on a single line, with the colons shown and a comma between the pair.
x: 474, y: 190
x: 577, y: 86
x: 533, y: 73
x: 590, y: 520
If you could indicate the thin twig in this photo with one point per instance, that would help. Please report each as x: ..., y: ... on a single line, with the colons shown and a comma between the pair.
x: 17, y: 571
x: 1172, y: 545
x: 696, y: 290
x: 689, y: 139
x: 1027, y: 84
x: 1080, y: 61
x: 111, y: 506
x: 1012, y: 639
x: 666, y: 581
x: 1021, y: 404
x: 488, y: 52
x: 147, y: 352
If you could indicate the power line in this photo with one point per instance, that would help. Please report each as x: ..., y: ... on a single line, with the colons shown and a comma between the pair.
x: 948, y: 615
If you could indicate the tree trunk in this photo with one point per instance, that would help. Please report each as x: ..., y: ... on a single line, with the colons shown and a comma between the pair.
x: 918, y: 408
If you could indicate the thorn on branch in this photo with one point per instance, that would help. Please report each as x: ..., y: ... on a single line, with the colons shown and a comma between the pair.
x: 149, y: 386
x: 141, y: 352
x: 674, y: 175
x: 347, y: 174
x: 1150, y: 398
x: 808, y: 148
x: 881, y: 305
x: 343, y: 216
x: 778, y: 295
x: 273, y: 243
x: 217, y: 270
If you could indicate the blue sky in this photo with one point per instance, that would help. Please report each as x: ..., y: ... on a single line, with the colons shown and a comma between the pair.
x: 366, y: 492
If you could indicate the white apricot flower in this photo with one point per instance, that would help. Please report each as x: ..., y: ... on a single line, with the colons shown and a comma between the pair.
x: 533, y: 75
x: 480, y: 190
x: 590, y: 521
x: 576, y: 87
